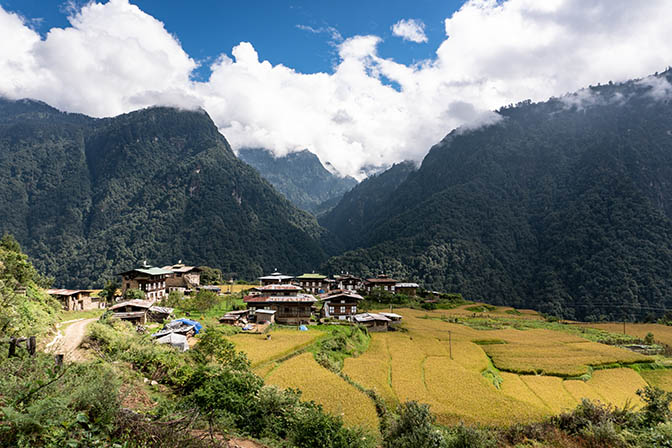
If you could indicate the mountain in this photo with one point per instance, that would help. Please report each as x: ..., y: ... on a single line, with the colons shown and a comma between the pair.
x: 361, y: 206
x: 563, y: 206
x: 300, y: 177
x: 89, y: 197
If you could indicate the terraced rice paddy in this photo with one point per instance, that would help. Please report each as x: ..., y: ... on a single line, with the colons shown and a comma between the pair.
x: 326, y: 388
x: 661, y: 333
x: 260, y: 350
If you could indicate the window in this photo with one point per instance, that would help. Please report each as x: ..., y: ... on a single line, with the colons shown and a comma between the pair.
x: 342, y: 309
x: 354, y: 309
x: 331, y: 310
x: 342, y: 301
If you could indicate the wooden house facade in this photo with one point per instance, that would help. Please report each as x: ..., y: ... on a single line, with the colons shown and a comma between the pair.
x: 340, y: 304
x: 381, y: 282
x: 77, y: 299
x: 150, y: 280
x: 312, y: 283
x: 182, y: 277
x: 290, y: 305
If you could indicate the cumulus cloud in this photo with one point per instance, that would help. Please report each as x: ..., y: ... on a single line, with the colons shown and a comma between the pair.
x: 410, y: 29
x: 114, y: 58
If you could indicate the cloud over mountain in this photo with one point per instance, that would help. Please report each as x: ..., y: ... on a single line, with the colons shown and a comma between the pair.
x: 370, y: 110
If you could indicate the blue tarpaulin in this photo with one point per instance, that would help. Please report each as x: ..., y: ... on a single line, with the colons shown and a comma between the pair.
x: 303, y: 328
x: 197, y: 326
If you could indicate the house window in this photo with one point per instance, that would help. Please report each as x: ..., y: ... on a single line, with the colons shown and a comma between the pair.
x: 342, y: 309
x: 342, y: 301
x: 354, y: 309
x: 331, y: 310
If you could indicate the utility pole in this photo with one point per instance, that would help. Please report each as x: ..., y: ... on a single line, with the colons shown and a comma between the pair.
x: 450, y: 343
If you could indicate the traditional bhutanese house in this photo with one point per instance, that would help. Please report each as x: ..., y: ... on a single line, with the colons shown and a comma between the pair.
x: 340, y: 304
x: 76, y: 299
x: 382, y: 282
x: 235, y: 317
x: 135, y: 311
x: 395, y: 319
x: 312, y: 283
x: 182, y: 277
x: 150, y: 280
x: 347, y: 281
x: 275, y: 278
x: 409, y: 289
x: 291, y: 306
x: 372, y: 321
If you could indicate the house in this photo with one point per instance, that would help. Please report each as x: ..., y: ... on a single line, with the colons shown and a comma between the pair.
x: 395, y: 319
x: 290, y: 305
x: 382, y: 282
x: 347, y: 281
x: 312, y: 283
x: 135, y: 311
x: 409, y: 289
x: 372, y: 321
x: 77, y: 299
x: 182, y: 277
x: 276, y: 278
x: 150, y: 280
x: 340, y: 304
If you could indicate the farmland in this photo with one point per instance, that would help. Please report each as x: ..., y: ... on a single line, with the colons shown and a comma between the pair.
x: 661, y: 333
x: 481, y: 367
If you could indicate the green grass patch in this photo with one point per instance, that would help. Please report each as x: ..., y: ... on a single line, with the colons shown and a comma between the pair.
x: 481, y: 308
x: 489, y: 341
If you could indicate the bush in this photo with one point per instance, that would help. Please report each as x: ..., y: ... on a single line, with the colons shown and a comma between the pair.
x: 657, y: 407
x: 469, y: 437
x: 414, y: 426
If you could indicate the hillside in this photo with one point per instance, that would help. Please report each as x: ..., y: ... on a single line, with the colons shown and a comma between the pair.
x: 87, y: 198
x: 563, y: 206
x: 363, y: 204
x: 300, y: 177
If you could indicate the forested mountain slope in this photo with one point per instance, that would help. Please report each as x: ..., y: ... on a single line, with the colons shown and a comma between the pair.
x: 87, y: 198
x: 564, y: 206
x: 363, y: 205
x: 301, y: 177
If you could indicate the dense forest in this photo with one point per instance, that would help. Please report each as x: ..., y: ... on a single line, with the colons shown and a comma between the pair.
x: 563, y: 206
x: 87, y: 198
x: 300, y: 177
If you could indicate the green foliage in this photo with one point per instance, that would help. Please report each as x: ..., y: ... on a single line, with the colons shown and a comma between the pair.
x: 202, y: 301
x: 657, y: 407
x: 174, y: 299
x: 340, y: 342
x: 109, y: 291
x: 413, y: 426
x: 210, y: 276
x: 135, y: 294
x: 214, y: 346
x: 25, y: 309
x: 649, y: 339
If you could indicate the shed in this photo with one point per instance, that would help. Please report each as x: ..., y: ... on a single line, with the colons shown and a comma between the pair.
x: 265, y: 316
x: 372, y: 321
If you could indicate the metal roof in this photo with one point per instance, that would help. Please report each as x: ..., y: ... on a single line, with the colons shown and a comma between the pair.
x: 135, y: 302
x: 407, y: 285
x: 311, y: 276
x: 391, y: 315
x: 129, y: 314
x: 381, y: 280
x: 148, y: 271
x: 279, y: 287
x: 299, y: 298
x: 276, y: 276
x: 369, y: 317
x: 161, y: 310
x: 66, y: 292
x: 344, y: 294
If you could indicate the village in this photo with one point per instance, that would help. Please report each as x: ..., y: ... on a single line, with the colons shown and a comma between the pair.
x: 278, y: 298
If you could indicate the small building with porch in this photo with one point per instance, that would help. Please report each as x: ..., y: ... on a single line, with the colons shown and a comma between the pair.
x: 290, y: 305
x: 135, y: 311
x: 340, y: 304
x: 381, y: 282
x: 77, y: 299
x: 372, y: 321
x: 407, y: 288
x: 347, y: 281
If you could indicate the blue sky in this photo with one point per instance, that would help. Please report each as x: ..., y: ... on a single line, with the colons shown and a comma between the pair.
x: 207, y: 28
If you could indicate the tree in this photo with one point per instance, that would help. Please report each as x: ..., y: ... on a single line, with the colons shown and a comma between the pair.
x: 109, y: 292
x: 132, y: 294
x: 204, y: 300
x: 413, y: 427
x: 210, y: 276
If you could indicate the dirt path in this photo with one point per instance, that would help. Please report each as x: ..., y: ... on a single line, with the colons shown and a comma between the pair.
x: 68, y: 340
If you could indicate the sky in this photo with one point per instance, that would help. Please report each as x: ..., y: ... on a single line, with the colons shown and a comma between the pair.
x: 362, y: 84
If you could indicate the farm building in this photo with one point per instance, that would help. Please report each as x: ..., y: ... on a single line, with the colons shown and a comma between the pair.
x: 182, y: 277
x: 275, y: 278
x: 265, y: 316
x: 235, y: 317
x: 76, y: 299
x: 340, y: 304
x: 312, y: 283
x: 291, y: 306
x: 150, y: 280
x: 395, y: 319
x: 372, y: 321
x: 409, y: 289
x: 135, y: 311
x: 382, y: 282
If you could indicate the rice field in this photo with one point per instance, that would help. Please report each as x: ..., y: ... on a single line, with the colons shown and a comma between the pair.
x: 658, y: 378
x: 661, y: 333
x: 283, y: 341
x: 326, y: 388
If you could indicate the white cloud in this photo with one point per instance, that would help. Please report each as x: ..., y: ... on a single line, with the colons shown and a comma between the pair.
x: 410, y: 29
x: 114, y: 58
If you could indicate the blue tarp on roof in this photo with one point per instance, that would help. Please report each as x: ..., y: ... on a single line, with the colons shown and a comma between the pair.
x: 197, y: 326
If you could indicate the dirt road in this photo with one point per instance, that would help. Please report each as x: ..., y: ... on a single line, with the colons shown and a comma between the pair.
x: 68, y: 340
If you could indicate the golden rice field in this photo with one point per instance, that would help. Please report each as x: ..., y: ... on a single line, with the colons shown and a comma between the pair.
x: 283, y: 342
x: 326, y: 388
x: 659, y: 378
x: 416, y: 365
x: 661, y: 333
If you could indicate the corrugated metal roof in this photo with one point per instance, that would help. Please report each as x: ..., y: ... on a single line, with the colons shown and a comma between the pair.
x: 299, y: 298
x: 135, y: 302
x: 341, y: 295
x: 279, y: 287
x: 381, y: 280
x: 311, y: 277
x: 161, y: 310
x: 407, y: 285
x: 276, y: 276
x: 392, y: 315
x: 66, y: 292
x: 369, y: 317
x: 129, y: 314
x: 148, y: 271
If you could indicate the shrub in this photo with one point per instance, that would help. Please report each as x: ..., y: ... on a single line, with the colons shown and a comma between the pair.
x: 414, y: 426
x: 657, y: 407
